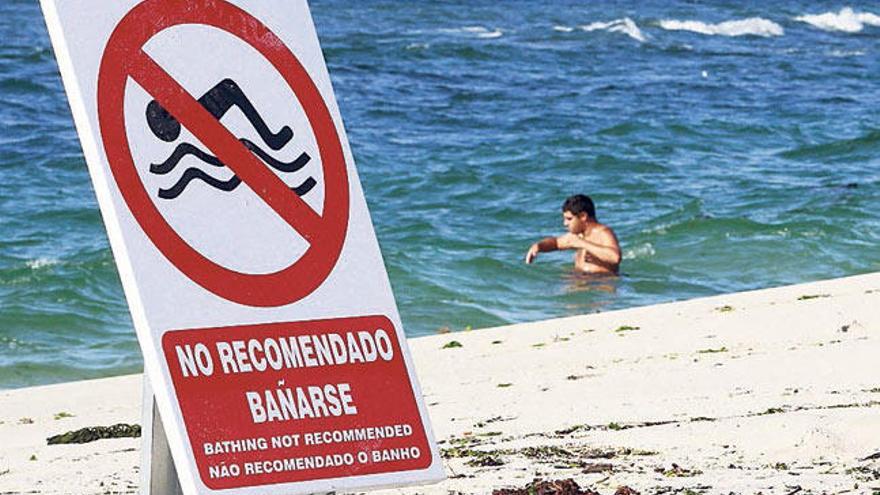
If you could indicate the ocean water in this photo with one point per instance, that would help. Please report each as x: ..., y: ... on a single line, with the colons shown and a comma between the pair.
x: 731, y: 146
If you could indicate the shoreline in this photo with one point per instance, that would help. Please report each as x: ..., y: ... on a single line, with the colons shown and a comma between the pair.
x: 771, y: 391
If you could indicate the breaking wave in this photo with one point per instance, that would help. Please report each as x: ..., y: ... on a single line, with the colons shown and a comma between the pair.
x: 846, y: 53
x: 478, y: 31
x: 626, y: 26
x: 753, y: 26
x: 645, y: 250
x: 847, y: 20
x: 38, y: 263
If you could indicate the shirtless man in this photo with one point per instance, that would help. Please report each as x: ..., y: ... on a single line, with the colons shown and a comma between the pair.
x: 595, y: 245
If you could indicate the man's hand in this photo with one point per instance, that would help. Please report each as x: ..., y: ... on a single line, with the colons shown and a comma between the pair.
x: 532, y: 253
x: 542, y: 246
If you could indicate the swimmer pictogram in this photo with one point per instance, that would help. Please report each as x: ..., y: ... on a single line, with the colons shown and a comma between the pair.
x: 219, y: 100
x: 125, y: 60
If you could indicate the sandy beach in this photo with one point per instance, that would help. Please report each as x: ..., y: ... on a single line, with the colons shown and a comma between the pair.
x: 770, y: 391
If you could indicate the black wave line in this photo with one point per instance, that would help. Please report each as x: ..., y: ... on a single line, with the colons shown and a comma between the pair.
x: 184, y: 149
x: 181, y: 151
x: 193, y: 173
x: 305, y: 187
x: 298, y: 163
x: 230, y: 184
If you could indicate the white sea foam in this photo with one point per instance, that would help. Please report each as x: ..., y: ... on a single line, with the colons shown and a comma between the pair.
x: 625, y: 26
x: 645, y: 250
x: 40, y: 263
x: 563, y: 29
x: 753, y: 26
x: 846, y: 53
x: 847, y: 20
x: 478, y: 31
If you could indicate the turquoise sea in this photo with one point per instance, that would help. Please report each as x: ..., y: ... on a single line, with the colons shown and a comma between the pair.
x: 732, y: 146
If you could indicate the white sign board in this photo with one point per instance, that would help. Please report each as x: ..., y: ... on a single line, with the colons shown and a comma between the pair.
x: 269, y: 330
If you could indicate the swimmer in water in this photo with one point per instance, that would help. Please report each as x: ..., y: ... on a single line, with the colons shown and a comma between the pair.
x: 596, y: 248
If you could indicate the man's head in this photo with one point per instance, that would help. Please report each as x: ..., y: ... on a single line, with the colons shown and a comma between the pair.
x: 577, y: 212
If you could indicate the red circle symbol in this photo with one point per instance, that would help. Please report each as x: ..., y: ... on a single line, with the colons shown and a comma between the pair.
x: 124, y: 57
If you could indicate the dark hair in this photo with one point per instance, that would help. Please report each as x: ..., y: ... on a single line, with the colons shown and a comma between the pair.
x: 580, y: 203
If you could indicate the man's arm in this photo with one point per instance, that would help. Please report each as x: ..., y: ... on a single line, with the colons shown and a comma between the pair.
x: 605, y: 251
x: 542, y: 246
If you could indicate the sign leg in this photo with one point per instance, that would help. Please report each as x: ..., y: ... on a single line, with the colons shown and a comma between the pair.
x: 158, y: 475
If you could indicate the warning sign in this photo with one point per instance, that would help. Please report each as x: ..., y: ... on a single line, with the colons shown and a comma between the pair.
x: 270, y: 334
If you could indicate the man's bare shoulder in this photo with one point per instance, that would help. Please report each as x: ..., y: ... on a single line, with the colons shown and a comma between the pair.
x: 602, y: 229
x: 603, y: 234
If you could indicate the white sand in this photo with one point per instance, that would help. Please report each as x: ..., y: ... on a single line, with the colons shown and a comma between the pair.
x: 764, y: 391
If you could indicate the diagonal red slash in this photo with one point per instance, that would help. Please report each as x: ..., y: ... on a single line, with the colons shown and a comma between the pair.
x: 253, y: 172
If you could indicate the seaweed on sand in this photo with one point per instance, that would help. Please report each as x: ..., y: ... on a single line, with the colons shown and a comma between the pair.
x: 92, y: 433
x: 544, y: 487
